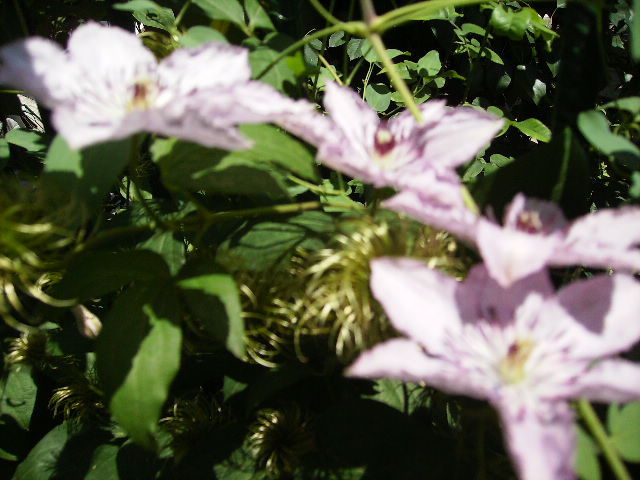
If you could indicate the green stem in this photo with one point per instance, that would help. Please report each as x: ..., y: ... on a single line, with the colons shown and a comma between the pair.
x: 595, y: 426
x: 328, y: 16
x: 406, y: 14
x: 12, y: 92
x: 274, y: 209
x: 368, y: 12
x: 393, y: 74
x: 351, y: 26
x: 183, y: 11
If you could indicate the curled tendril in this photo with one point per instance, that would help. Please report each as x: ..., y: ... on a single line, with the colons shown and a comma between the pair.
x: 324, y: 296
x: 278, y: 439
x: 37, y: 231
x: 190, y: 420
x: 80, y: 401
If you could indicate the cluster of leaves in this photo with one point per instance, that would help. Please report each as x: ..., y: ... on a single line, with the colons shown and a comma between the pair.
x: 193, y: 261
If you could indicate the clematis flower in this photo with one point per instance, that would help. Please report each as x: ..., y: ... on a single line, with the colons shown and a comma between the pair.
x: 107, y: 86
x: 525, y: 349
x: 399, y: 152
x: 534, y: 234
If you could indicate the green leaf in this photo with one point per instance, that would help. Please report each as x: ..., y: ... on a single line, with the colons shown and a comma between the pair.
x: 624, y: 425
x: 558, y: 171
x: 635, y: 31
x: 353, y: 48
x: 33, y: 142
x: 281, y: 75
x: 41, y: 462
x: 257, y: 246
x: 138, y: 355
x: 192, y: 167
x: 5, y: 152
x: 430, y: 64
x: 229, y: 10
x: 630, y: 104
x: 397, y: 394
x: 87, y: 175
x: 170, y: 246
x: 278, y: 148
x: 18, y: 395
x: 508, y: 23
x: 595, y: 127
x: 532, y: 127
x: 213, y: 297
x: 378, y: 95
x: 337, y: 39
x: 199, y: 34
x: 258, y: 17
x: 587, y: 465
x: 94, y: 274
x: 149, y: 13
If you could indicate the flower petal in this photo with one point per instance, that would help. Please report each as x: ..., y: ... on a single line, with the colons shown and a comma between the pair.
x: 81, y: 130
x: 459, y: 136
x: 356, y: 120
x: 209, y: 66
x: 610, y: 380
x: 542, y: 445
x: 551, y: 217
x: 510, y: 254
x: 601, y: 314
x: 405, y: 125
x: 405, y: 360
x: 420, y: 301
x: 110, y: 56
x: 480, y: 297
x: 38, y: 66
x: 443, y: 208
x: 607, y: 239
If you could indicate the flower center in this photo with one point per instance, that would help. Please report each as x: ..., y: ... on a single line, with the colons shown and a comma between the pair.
x: 143, y: 94
x: 529, y: 221
x: 512, y: 366
x: 384, y: 143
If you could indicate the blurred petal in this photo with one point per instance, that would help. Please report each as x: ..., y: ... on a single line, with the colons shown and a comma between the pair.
x: 511, y: 254
x: 39, y: 67
x: 481, y: 297
x: 609, y: 381
x: 459, y: 136
x: 209, y: 66
x: 405, y: 126
x: 357, y: 120
x: 81, y: 130
x: 405, y: 360
x: 109, y: 55
x: 601, y: 314
x: 542, y: 445
x: 615, y: 228
x: 419, y: 301
x: 446, y: 212
x: 548, y: 216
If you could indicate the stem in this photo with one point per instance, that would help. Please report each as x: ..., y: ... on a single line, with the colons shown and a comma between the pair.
x: 309, y: 38
x: 328, y: 16
x: 275, y: 209
x: 182, y: 12
x: 595, y: 426
x: 368, y: 12
x: 405, y: 14
x: 393, y: 74
x: 331, y: 68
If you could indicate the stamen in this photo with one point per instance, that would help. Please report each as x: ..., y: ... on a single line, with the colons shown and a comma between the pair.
x: 512, y: 366
x: 529, y: 221
x: 384, y: 141
x: 143, y: 93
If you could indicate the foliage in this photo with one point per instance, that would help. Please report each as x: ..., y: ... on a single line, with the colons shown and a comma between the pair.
x: 230, y: 289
